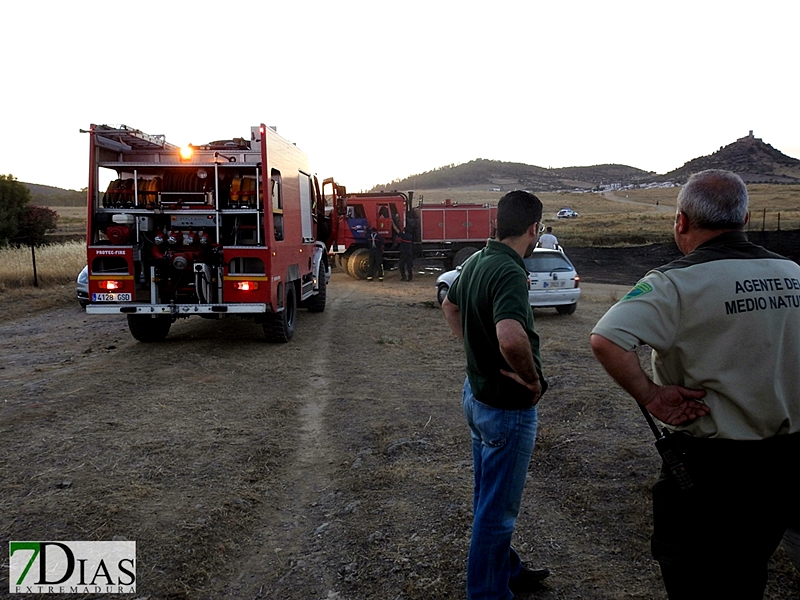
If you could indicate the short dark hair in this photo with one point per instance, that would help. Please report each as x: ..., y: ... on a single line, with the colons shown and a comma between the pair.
x: 516, y: 212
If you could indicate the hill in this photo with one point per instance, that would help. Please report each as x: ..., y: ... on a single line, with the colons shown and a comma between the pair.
x: 507, y: 175
x: 45, y: 195
x: 752, y: 159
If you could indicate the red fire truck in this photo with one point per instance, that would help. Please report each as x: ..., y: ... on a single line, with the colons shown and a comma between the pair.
x: 451, y: 232
x: 232, y: 227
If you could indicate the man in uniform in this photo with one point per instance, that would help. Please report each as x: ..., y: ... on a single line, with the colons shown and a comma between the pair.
x: 487, y: 307
x: 406, y: 255
x: 724, y: 326
x: 375, y: 244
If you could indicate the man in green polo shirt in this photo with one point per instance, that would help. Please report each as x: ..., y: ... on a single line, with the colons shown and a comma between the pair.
x: 724, y: 326
x: 487, y: 307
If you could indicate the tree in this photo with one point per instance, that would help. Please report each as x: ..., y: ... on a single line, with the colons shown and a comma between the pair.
x: 14, y: 199
x: 35, y: 223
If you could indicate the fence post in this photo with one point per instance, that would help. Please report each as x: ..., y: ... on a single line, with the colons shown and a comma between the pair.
x: 33, y: 257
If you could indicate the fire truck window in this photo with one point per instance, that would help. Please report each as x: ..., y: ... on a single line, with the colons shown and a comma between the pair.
x: 356, y: 211
x: 383, y: 212
x: 277, y: 196
x: 277, y: 204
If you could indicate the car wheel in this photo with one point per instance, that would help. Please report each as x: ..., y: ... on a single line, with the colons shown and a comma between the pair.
x: 441, y: 292
x: 567, y: 309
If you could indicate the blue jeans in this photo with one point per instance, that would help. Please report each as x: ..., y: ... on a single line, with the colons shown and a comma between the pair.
x: 502, y: 444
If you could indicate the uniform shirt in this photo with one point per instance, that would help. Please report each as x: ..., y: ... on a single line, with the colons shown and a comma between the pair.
x: 406, y: 243
x: 548, y: 240
x: 375, y: 240
x: 493, y: 286
x: 725, y: 319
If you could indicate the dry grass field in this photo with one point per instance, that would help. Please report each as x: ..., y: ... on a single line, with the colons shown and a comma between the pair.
x: 56, y: 264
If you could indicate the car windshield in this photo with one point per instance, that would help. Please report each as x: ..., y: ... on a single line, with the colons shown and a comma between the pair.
x: 547, y: 263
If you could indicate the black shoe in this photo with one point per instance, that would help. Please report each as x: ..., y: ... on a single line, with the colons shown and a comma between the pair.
x: 403, y: 279
x: 528, y: 580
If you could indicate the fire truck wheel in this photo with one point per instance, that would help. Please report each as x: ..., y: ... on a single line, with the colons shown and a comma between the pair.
x: 341, y: 261
x: 316, y: 304
x: 462, y: 255
x: 280, y: 327
x: 358, y: 264
x: 145, y: 328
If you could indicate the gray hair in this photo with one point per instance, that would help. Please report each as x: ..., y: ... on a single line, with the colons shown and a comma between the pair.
x: 714, y: 199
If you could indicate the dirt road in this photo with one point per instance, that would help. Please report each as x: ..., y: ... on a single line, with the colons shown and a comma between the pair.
x: 335, y: 466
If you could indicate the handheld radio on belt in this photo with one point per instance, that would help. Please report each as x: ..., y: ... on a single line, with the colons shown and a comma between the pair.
x: 670, y: 452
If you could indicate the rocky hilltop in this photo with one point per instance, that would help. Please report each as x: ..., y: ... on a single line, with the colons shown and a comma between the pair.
x: 749, y: 157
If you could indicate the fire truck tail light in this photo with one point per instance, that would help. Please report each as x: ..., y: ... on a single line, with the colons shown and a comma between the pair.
x: 110, y: 285
x: 246, y: 286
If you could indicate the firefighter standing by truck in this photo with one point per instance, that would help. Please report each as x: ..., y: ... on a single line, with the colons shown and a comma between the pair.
x: 406, y: 255
x: 375, y: 242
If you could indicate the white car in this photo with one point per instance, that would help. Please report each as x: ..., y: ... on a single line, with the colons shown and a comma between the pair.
x: 552, y: 281
x: 566, y: 213
x: 82, y: 287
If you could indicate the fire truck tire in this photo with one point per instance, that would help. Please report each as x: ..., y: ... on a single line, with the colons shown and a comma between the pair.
x: 280, y: 327
x: 145, y: 328
x: 316, y: 304
x: 462, y: 255
x: 358, y: 264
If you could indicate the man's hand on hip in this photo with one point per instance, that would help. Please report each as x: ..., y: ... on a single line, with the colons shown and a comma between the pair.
x: 675, y: 405
x: 535, y: 387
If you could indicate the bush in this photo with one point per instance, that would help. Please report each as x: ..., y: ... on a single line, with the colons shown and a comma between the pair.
x: 14, y: 199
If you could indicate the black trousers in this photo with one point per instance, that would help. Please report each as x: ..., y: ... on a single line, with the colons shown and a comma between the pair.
x: 406, y: 266
x: 375, y: 263
x: 714, y: 540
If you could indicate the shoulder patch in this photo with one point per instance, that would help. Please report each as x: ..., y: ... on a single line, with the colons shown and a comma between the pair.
x: 639, y: 289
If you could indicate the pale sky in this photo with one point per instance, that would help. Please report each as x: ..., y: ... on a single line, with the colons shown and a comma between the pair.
x: 374, y: 91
